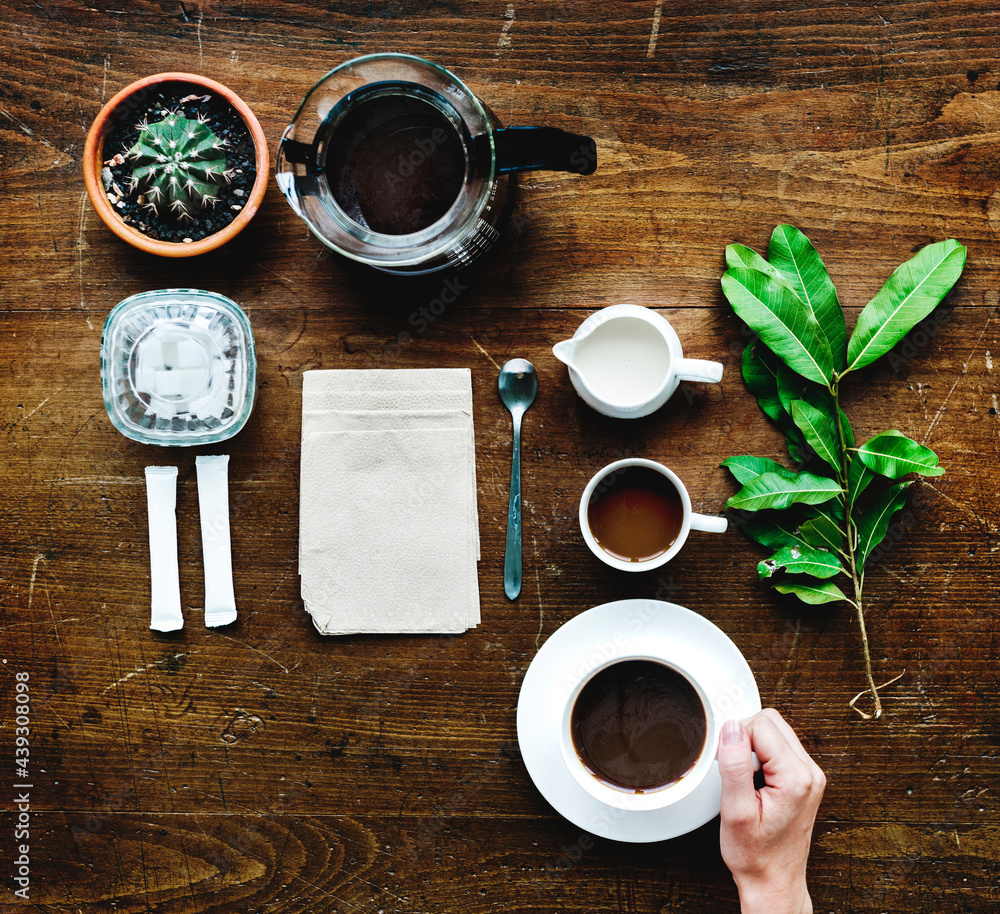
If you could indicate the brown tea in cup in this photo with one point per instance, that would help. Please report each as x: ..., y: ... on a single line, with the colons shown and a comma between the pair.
x: 639, y: 726
x: 635, y: 514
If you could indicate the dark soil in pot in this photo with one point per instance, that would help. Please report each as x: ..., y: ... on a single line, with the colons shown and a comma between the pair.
x: 192, y: 102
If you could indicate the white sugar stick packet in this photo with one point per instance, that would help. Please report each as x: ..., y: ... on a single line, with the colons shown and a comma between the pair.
x: 161, y: 504
x: 213, y: 506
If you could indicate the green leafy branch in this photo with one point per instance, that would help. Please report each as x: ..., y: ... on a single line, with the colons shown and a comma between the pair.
x: 822, y: 521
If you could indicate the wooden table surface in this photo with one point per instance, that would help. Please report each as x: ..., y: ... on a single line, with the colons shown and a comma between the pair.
x: 263, y: 767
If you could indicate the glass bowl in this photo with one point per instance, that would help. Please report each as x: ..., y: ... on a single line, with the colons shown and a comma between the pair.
x: 178, y: 367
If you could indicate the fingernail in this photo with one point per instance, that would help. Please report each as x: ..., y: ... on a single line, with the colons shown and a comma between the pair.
x: 732, y: 732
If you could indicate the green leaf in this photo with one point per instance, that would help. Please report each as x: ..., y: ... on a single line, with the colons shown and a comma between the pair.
x: 772, y: 532
x: 798, y: 450
x: 794, y: 256
x: 894, y: 455
x: 790, y: 387
x: 775, y: 386
x: 745, y: 467
x: 819, y: 432
x: 772, y: 310
x: 858, y: 479
x: 848, y: 431
x: 793, y: 387
x: 760, y: 379
x: 801, y: 560
x: 814, y: 594
x: 832, y: 510
x: 874, y: 523
x: 908, y: 296
x: 773, y: 490
x: 823, y: 533
x: 739, y: 255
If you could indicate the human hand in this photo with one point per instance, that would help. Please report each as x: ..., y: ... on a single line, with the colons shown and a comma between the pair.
x: 765, y: 834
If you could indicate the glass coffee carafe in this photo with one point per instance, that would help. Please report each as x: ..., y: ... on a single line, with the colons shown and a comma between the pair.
x: 392, y: 161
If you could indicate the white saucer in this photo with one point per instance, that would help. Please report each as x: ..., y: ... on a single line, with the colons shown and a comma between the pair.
x: 625, y: 628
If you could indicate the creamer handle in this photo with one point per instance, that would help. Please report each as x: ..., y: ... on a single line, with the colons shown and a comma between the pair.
x: 699, y: 370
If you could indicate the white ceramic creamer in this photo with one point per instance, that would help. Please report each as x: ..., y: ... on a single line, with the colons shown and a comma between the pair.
x: 626, y: 361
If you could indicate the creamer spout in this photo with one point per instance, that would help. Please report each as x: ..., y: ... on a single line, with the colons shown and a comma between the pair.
x: 566, y: 351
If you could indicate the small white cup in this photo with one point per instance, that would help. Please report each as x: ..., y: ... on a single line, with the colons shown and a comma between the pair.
x: 689, y: 519
x: 624, y: 798
x: 625, y: 361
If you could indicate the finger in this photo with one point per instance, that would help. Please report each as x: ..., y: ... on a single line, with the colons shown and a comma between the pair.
x: 739, y: 805
x: 779, y: 761
x: 784, y: 768
x: 791, y: 738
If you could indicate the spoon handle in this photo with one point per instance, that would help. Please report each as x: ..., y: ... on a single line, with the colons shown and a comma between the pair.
x: 512, y: 556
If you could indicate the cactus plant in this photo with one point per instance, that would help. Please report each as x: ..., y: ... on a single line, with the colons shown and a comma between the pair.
x: 178, y: 163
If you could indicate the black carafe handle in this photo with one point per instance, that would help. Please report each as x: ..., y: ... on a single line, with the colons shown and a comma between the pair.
x: 544, y: 148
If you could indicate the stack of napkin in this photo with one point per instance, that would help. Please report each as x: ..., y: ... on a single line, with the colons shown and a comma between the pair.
x: 389, y: 524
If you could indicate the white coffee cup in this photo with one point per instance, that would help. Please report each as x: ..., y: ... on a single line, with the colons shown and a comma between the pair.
x: 625, y: 798
x: 689, y: 519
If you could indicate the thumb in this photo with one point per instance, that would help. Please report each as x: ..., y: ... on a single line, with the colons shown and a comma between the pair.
x: 739, y: 798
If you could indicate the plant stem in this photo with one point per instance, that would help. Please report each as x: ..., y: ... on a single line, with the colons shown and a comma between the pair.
x: 857, y: 575
x: 868, y: 661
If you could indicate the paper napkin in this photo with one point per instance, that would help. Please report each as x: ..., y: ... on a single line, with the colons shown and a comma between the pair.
x: 389, y: 529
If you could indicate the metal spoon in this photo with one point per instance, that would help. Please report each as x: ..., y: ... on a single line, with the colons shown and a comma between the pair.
x: 518, y: 386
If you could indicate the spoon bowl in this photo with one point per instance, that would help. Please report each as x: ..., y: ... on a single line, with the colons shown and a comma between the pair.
x: 518, y: 388
x: 518, y: 385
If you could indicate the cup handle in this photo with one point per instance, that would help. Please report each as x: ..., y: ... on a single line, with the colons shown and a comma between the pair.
x: 708, y: 524
x: 548, y: 148
x: 699, y: 370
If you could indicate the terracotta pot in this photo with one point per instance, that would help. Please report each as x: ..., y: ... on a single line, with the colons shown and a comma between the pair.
x: 93, y: 163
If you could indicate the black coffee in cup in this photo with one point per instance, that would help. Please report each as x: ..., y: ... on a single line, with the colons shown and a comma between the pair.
x: 395, y: 162
x: 635, y: 514
x: 639, y: 726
